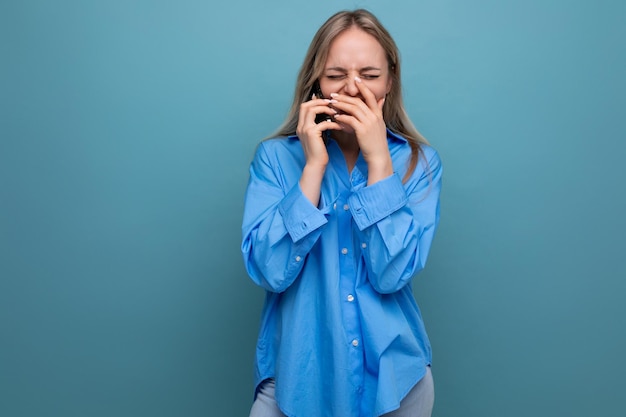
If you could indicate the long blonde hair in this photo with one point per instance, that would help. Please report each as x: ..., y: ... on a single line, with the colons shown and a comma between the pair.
x: 395, y: 115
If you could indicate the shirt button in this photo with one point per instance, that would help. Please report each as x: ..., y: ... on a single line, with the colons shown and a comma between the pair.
x: 350, y: 297
x: 355, y: 343
x: 344, y: 251
x: 335, y: 206
x: 364, y: 245
x: 346, y: 207
x: 298, y: 259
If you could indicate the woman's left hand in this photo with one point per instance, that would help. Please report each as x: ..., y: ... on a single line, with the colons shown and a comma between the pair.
x: 365, y: 117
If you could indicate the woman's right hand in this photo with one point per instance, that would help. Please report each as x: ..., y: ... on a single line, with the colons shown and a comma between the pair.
x: 310, y: 133
x: 312, y: 141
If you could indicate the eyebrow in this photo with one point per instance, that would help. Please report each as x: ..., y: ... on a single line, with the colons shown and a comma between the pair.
x: 360, y: 70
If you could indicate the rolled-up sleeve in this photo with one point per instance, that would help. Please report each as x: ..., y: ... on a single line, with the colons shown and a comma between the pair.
x: 280, y: 225
x: 396, y: 224
x: 299, y: 215
x: 371, y: 204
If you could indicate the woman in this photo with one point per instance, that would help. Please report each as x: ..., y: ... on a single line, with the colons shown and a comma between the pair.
x: 339, y: 216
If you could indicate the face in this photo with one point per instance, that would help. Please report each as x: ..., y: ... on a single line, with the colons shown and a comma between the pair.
x: 355, y: 53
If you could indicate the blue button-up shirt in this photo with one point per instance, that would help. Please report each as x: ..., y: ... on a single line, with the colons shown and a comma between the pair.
x: 340, y: 332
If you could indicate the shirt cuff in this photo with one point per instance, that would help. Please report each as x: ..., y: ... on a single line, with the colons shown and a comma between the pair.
x: 373, y: 203
x: 299, y: 215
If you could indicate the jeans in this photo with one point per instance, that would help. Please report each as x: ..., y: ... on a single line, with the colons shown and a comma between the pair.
x: 417, y: 403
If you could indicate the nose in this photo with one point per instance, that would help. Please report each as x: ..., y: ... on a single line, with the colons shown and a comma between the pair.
x: 350, y: 87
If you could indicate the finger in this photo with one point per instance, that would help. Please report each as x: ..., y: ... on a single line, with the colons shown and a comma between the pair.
x: 350, y: 105
x: 351, y: 100
x: 310, y: 109
x: 349, y: 120
x: 329, y: 125
x: 368, y: 95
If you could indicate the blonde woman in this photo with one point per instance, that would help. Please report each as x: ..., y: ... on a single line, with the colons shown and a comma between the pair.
x: 340, y: 212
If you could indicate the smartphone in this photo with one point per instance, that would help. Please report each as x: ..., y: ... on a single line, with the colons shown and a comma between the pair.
x: 322, y: 117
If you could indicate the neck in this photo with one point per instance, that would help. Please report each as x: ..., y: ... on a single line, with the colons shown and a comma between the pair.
x: 349, y: 147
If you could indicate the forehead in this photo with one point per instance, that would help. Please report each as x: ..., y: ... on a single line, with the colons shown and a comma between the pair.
x: 355, y: 48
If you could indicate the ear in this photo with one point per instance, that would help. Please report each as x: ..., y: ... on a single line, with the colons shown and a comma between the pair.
x: 389, y: 86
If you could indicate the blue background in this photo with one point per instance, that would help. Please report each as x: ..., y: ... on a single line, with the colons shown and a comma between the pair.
x: 126, y: 131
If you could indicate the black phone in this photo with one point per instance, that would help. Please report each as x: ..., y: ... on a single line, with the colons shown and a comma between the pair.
x: 322, y: 117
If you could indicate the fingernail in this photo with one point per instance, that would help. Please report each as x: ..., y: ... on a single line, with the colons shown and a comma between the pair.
x: 334, y: 95
x: 357, y: 79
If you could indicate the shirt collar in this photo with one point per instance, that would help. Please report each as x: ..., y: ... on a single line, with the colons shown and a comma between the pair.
x: 395, y: 136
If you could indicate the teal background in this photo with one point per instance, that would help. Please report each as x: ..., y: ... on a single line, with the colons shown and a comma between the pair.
x: 126, y: 131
